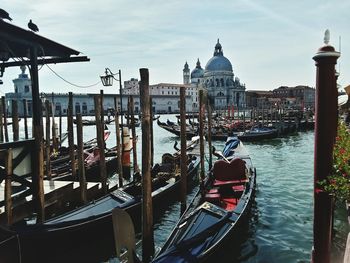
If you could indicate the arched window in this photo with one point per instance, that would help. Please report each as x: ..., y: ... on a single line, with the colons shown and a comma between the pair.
x: 211, y: 83
x: 222, y: 82
x: 217, y: 83
x: 170, y: 103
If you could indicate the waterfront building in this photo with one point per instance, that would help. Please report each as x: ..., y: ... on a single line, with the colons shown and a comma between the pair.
x: 22, y: 91
x: 224, y: 89
x: 298, y: 97
x: 165, y: 98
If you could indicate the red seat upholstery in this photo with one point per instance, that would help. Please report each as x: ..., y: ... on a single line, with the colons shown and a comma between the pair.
x: 213, y: 198
x: 233, y: 172
x: 238, y: 188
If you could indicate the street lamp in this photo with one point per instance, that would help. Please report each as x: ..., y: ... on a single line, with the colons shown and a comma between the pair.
x: 107, y: 80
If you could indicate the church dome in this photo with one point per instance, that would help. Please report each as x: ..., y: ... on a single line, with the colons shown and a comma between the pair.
x: 198, y: 72
x: 218, y: 62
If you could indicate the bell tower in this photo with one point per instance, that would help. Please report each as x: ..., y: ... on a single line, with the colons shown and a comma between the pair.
x: 186, y: 74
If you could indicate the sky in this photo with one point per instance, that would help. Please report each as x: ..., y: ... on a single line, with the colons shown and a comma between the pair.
x: 270, y: 43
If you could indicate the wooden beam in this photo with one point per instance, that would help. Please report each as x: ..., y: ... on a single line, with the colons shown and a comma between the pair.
x: 42, y: 61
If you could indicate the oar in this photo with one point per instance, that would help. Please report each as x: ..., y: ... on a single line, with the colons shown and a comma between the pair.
x: 124, y: 234
x: 219, y: 154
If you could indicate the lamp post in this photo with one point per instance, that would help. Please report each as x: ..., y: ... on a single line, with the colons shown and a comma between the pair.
x: 107, y: 80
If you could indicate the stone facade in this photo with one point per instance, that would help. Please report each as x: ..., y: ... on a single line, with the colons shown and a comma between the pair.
x: 165, y: 98
x: 224, y: 89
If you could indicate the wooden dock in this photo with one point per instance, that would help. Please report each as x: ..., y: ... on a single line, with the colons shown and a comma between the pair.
x: 58, y: 198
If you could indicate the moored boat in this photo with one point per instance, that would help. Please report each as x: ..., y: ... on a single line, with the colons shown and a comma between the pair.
x: 217, y: 211
x: 86, y: 234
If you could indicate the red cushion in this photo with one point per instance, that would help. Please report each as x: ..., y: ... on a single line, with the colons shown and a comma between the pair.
x: 238, y: 188
x: 234, y: 170
x: 212, y: 196
x: 213, y: 191
x: 219, y: 182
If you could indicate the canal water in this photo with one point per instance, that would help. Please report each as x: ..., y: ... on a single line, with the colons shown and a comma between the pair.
x: 280, y: 228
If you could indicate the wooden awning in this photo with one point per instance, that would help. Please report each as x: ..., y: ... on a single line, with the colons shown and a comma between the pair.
x: 15, y: 42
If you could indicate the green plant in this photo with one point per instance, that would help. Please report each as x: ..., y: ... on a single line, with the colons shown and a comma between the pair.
x: 338, y: 183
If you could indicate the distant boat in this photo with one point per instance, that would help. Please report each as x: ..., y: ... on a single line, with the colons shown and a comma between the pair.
x: 92, y: 122
x: 10, y: 122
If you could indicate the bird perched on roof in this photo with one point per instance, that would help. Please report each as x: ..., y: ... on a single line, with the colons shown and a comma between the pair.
x: 4, y: 15
x: 32, y: 26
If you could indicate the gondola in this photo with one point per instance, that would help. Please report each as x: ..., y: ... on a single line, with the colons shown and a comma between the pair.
x: 11, y: 122
x: 258, y: 133
x: 86, y: 234
x: 85, y: 122
x: 217, y: 211
x: 220, y: 133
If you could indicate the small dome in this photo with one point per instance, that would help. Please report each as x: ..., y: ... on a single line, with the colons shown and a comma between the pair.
x: 218, y: 62
x: 198, y: 72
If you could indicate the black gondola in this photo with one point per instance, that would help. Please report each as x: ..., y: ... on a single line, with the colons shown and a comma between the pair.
x: 254, y: 134
x: 216, y: 213
x: 92, y: 122
x: 86, y: 234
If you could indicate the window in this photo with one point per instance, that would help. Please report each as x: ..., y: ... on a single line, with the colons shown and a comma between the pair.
x: 16, y: 89
x: 58, y: 107
x: 77, y: 107
x: 84, y: 108
x: 26, y: 88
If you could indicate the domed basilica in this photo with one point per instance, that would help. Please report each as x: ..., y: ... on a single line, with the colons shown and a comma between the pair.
x: 224, y: 89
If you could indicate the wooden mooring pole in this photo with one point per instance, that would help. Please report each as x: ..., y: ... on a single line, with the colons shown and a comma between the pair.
x: 54, y: 135
x: 60, y: 128
x: 47, y: 142
x: 71, y: 134
x: 133, y: 133
x: 119, y: 146
x: 8, y: 187
x: 201, y: 136
x: 325, y: 133
x: 183, y: 161
x: 151, y: 130
x: 100, y: 143
x: 147, y: 207
x: 4, y: 110
x: 81, y: 164
x: 15, y: 126
x: 37, y: 157
x: 209, y: 110
x: 25, y: 113
x: 1, y: 123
